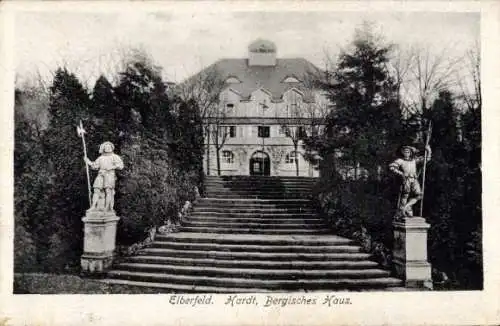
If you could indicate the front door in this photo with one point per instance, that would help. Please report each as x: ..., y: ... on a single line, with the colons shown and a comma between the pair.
x: 260, y: 164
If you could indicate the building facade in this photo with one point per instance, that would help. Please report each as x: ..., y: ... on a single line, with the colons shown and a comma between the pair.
x: 264, y: 107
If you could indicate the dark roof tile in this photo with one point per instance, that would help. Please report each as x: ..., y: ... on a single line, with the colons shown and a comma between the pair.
x: 270, y: 78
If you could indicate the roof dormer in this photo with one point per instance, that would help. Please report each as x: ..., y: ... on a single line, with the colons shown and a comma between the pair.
x: 232, y: 80
x: 290, y: 80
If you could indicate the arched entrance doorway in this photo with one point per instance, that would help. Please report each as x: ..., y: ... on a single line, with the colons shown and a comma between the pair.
x: 260, y: 164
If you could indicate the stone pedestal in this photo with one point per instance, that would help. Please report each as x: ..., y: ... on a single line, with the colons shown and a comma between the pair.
x: 410, y: 252
x: 98, y: 241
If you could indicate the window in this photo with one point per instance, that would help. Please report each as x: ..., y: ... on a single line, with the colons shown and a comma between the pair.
x: 263, y: 131
x: 301, y: 132
x: 231, y: 131
x: 291, y: 79
x: 290, y: 158
x: 227, y: 131
x: 229, y: 106
x: 232, y: 80
x: 227, y: 157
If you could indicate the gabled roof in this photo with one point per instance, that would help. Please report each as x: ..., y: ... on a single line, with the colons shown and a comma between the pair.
x: 270, y: 78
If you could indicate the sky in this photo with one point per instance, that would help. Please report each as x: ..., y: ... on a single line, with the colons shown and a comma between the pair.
x: 182, y: 42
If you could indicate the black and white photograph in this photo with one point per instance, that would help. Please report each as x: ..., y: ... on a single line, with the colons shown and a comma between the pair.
x: 271, y: 159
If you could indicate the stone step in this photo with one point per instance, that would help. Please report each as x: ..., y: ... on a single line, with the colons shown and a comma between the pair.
x: 255, y: 239
x: 266, y: 182
x: 291, y: 186
x: 255, y: 230
x: 240, y: 225
x: 183, y: 288
x: 252, y: 192
x: 261, y: 264
x: 279, y: 208
x: 271, y: 219
x: 256, y: 248
x: 264, y: 188
x: 253, y: 183
x: 252, y: 273
x: 248, y: 201
x: 253, y: 234
x: 244, y: 282
x: 270, y: 256
x: 300, y: 213
x: 251, y: 187
x: 244, y: 211
x: 257, y: 195
x: 259, y: 178
x: 258, y: 184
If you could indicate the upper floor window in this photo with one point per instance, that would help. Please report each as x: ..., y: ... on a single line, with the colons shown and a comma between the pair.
x: 263, y: 131
x: 291, y: 79
x: 291, y: 158
x: 226, y: 131
x: 231, y: 131
x: 301, y: 132
x: 232, y: 80
x: 227, y: 157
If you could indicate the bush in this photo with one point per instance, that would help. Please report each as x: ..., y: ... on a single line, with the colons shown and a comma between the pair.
x: 24, y: 250
x: 358, y: 210
x: 49, y: 173
x: 150, y: 191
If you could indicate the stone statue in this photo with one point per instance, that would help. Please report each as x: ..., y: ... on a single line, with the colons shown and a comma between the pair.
x: 406, y: 167
x: 104, y: 184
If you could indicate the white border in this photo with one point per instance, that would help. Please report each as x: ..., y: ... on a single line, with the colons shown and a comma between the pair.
x: 474, y: 307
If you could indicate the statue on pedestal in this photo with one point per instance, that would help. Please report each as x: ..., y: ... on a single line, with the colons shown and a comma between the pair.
x: 406, y: 167
x: 104, y: 184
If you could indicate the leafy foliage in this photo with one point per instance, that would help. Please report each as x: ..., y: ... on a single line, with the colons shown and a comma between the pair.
x: 364, y: 129
x: 453, y: 194
x: 366, y: 120
x: 50, y: 179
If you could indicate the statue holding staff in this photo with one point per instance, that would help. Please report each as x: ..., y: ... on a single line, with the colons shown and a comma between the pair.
x: 406, y: 167
x: 104, y: 184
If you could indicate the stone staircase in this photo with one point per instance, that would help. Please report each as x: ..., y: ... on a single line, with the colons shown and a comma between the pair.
x: 253, y: 234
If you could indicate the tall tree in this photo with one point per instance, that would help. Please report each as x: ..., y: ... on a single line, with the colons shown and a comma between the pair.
x: 107, y: 113
x: 218, y: 131
x: 453, y: 195
x: 188, y: 136
x: 205, y: 89
x: 301, y: 120
x: 69, y: 103
x: 365, y: 124
x: 143, y: 97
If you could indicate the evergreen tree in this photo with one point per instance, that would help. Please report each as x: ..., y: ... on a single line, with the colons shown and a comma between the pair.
x: 365, y: 124
x: 107, y: 114
x: 142, y: 95
x: 31, y: 185
x: 187, y: 144
x: 69, y: 103
x: 453, y: 195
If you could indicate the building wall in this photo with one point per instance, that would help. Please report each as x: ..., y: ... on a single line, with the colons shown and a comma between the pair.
x: 262, y: 104
x: 258, y: 110
x: 242, y: 154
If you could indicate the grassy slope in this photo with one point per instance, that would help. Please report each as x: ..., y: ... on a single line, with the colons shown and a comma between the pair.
x: 35, y: 283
